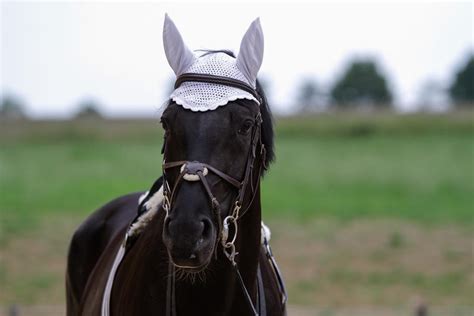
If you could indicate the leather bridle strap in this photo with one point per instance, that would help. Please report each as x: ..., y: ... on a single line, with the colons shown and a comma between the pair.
x: 229, y: 179
x: 250, y: 168
x: 226, y: 81
x: 262, y: 305
x: 171, y: 291
x: 245, y: 291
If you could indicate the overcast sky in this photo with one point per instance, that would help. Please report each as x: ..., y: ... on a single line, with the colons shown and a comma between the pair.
x: 53, y: 55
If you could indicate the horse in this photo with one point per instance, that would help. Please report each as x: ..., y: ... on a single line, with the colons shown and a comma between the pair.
x: 197, y: 244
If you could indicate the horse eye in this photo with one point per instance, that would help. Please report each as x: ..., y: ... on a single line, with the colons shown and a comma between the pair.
x: 245, y: 128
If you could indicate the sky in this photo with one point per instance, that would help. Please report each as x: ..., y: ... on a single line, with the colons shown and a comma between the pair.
x: 56, y: 54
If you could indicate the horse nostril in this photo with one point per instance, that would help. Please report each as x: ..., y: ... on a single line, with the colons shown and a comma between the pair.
x: 206, y: 228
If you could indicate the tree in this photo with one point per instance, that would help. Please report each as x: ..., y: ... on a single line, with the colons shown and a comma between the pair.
x: 11, y: 108
x: 362, y: 84
x: 88, y: 109
x: 432, y: 96
x: 462, y: 89
x: 308, y: 95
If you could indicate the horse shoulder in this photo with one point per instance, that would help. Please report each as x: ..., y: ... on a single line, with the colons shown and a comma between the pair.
x: 89, y: 242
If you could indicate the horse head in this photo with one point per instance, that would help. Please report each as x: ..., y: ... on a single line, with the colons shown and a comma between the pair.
x: 218, y: 135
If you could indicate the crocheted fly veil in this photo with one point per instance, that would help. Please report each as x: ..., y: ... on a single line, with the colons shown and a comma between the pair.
x: 204, y: 96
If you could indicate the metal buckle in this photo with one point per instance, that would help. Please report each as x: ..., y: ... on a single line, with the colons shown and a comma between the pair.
x: 229, y: 246
x: 166, y: 203
x: 236, y: 210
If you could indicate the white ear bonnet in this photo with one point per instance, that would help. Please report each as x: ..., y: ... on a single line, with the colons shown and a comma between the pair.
x: 203, y: 96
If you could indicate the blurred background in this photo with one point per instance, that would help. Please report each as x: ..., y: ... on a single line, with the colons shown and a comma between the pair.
x: 370, y: 200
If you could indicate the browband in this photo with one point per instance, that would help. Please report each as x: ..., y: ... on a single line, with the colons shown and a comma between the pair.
x: 226, y: 81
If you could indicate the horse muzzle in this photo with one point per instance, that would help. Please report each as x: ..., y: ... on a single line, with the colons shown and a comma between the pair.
x: 190, y: 244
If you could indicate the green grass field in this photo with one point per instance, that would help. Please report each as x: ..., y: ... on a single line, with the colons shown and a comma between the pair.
x: 417, y: 168
x: 411, y: 175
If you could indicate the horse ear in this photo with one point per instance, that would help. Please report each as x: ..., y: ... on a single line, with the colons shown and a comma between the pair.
x: 250, y: 55
x: 179, y: 56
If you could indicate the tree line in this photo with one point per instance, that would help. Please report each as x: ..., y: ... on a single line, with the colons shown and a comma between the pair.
x: 362, y: 84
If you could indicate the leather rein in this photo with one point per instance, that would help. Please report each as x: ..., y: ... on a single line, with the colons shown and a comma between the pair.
x: 197, y: 171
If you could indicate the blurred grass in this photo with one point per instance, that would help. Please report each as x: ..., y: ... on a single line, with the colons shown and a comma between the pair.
x: 348, y: 166
x: 332, y: 171
x: 421, y: 177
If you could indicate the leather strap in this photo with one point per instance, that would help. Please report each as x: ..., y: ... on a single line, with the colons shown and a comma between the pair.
x: 276, y: 272
x: 245, y: 291
x: 261, y: 293
x: 226, y: 177
x: 226, y: 81
x: 256, y: 139
x: 170, y: 292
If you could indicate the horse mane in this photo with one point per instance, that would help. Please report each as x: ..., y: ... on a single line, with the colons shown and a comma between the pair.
x: 267, y: 127
x: 267, y: 117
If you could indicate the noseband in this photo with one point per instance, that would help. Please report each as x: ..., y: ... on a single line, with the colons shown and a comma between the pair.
x: 197, y: 171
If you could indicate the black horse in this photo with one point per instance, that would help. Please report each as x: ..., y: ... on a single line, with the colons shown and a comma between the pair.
x: 195, y: 247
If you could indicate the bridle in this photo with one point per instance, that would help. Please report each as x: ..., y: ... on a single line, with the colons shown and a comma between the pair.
x: 197, y: 171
